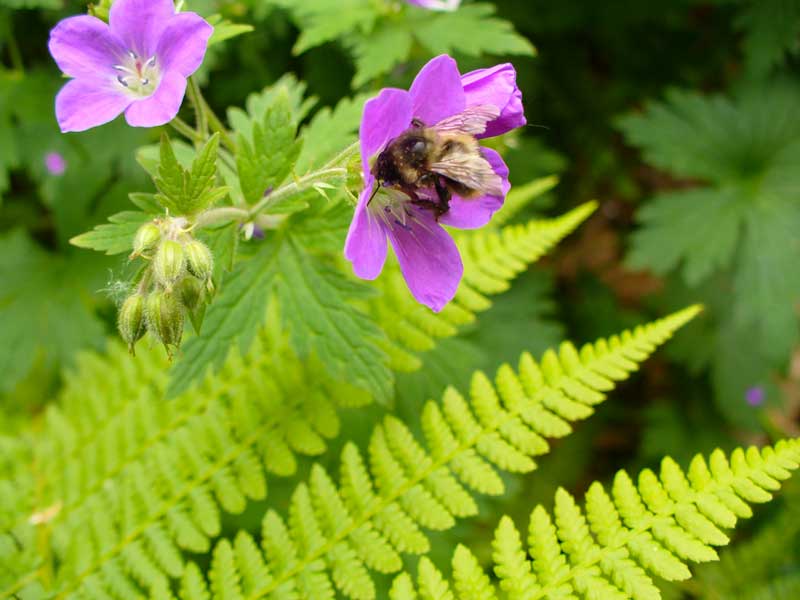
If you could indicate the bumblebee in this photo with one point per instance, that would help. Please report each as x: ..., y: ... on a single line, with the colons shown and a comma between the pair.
x: 431, y: 164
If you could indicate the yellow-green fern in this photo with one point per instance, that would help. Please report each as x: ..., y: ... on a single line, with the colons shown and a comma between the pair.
x: 492, y: 258
x: 335, y: 536
x: 121, y: 482
x: 612, y: 548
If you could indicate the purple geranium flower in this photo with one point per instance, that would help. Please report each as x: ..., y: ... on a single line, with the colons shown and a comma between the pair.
x: 138, y: 64
x: 447, y: 5
x: 428, y: 257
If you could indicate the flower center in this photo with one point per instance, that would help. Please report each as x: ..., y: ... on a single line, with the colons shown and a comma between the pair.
x: 138, y: 76
x: 394, y: 208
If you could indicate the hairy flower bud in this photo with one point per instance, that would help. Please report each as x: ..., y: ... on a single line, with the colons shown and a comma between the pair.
x: 191, y: 290
x: 169, y: 263
x: 165, y: 316
x: 146, y: 238
x: 131, y: 320
x: 199, y: 259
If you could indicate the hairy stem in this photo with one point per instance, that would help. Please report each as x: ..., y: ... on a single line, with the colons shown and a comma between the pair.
x: 193, y: 90
x: 184, y: 129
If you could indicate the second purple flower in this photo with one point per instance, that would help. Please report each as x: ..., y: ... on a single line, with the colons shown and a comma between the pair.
x: 137, y: 64
x: 460, y: 185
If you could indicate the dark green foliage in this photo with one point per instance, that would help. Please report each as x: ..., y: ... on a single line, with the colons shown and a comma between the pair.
x: 739, y: 228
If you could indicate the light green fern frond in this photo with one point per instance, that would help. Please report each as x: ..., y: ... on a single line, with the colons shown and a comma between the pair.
x: 612, y: 548
x: 335, y: 535
x: 122, y: 482
x: 492, y: 258
x: 761, y: 565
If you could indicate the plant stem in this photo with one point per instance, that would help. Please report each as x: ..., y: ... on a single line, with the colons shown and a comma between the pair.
x: 207, y: 117
x: 297, y: 186
x: 224, y: 214
x: 184, y: 129
x: 13, y: 50
x: 217, y: 125
x: 199, y: 109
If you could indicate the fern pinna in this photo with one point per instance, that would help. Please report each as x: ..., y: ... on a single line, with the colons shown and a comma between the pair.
x: 334, y: 536
x: 167, y: 470
x: 611, y: 549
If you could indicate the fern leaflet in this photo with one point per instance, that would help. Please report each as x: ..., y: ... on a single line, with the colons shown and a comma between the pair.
x: 612, y: 547
x: 334, y: 537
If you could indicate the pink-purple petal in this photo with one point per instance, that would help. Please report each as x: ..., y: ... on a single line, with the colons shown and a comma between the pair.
x: 83, y: 104
x: 428, y: 258
x: 365, y: 246
x: 497, y: 86
x: 84, y: 46
x: 437, y: 92
x: 183, y: 43
x: 162, y: 106
x: 383, y: 119
x: 477, y: 212
x: 139, y: 23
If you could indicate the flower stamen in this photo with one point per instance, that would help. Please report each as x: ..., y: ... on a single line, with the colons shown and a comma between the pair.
x: 140, y: 78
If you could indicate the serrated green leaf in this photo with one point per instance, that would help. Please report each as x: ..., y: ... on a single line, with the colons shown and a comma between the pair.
x: 771, y: 28
x: 326, y: 20
x: 114, y: 237
x: 225, y: 29
x: 45, y: 307
x: 237, y: 311
x: 314, y: 300
x: 188, y: 191
x: 677, y: 228
x: 380, y: 51
x: 265, y: 159
x: 146, y: 202
x: 329, y: 131
x: 472, y: 30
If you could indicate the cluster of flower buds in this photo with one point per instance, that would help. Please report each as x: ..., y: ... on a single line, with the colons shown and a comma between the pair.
x: 176, y: 283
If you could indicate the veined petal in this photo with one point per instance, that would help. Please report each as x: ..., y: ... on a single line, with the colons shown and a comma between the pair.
x: 84, y: 46
x: 183, y: 43
x: 162, y: 106
x: 477, y: 212
x: 383, y: 119
x: 139, y: 23
x: 365, y: 246
x: 83, y: 104
x: 429, y: 259
x: 496, y: 86
x: 437, y: 92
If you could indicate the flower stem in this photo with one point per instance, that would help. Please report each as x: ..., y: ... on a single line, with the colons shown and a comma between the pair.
x: 184, y: 129
x: 224, y: 214
x: 199, y: 110
x: 207, y: 117
x: 13, y: 50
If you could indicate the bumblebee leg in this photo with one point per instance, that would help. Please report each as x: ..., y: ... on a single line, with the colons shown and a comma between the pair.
x: 444, y: 195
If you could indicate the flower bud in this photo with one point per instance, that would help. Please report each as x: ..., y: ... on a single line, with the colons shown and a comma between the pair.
x: 199, y: 260
x: 168, y: 263
x: 191, y: 290
x: 165, y: 318
x: 146, y: 238
x: 131, y: 320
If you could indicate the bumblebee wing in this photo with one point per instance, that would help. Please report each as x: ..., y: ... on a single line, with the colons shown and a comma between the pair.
x: 472, y: 121
x: 471, y: 170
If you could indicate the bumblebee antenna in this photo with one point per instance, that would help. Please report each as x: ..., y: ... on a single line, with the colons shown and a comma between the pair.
x: 374, y: 191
